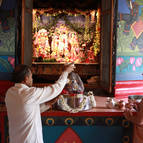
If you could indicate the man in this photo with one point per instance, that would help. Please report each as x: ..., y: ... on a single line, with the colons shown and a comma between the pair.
x: 134, y: 113
x: 23, y: 104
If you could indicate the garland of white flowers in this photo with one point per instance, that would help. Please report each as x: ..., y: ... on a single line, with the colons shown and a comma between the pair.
x: 66, y: 107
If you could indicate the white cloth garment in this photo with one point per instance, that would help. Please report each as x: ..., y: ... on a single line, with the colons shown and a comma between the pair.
x: 23, y: 108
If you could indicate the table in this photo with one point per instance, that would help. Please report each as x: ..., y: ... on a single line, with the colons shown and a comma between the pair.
x: 97, y: 125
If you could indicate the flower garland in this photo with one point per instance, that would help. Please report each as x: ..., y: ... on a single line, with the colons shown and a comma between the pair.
x: 97, y: 35
x: 82, y: 105
x: 66, y: 107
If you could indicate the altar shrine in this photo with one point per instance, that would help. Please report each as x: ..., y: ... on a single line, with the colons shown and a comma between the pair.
x: 102, y: 38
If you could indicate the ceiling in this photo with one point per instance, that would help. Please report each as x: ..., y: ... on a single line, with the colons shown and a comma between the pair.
x: 67, y: 4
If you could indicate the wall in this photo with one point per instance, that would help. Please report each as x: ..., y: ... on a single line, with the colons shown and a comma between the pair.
x: 129, y: 60
x: 129, y: 50
x: 7, y: 38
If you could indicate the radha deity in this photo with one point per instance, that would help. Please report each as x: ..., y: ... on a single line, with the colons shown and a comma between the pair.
x: 41, y: 44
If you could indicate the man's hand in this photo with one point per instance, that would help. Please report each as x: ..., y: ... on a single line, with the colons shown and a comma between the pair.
x: 133, y: 112
x: 132, y: 105
x: 128, y: 114
x: 51, y: 102
x: 47, y: 105
x: 69, y: 67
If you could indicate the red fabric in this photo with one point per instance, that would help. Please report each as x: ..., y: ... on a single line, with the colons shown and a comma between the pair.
x: 64, y: 91
x: 129, y: 82
x: 4, y: 85
x: 2, y: 128
x: 125, y: 88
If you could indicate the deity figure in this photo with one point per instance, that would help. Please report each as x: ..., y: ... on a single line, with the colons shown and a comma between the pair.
x: 65, y: 45
x: 41, y: 44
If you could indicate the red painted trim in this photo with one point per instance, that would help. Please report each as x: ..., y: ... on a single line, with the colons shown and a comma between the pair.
x: 62, y: 113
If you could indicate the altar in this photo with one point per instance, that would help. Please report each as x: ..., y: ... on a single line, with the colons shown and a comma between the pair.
x: 99, y: 124
x: 79, y: 38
